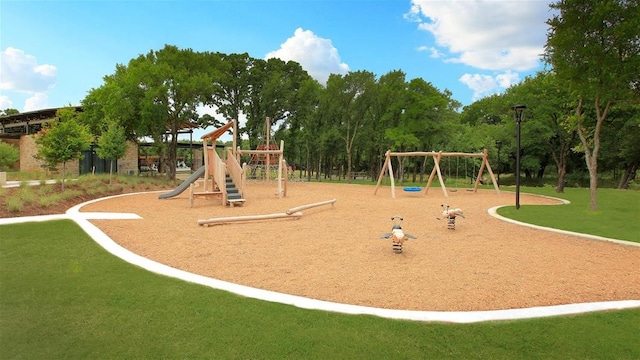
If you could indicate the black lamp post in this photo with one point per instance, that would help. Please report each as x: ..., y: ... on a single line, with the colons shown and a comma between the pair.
x: 498, y: 146
x: 518, y: 110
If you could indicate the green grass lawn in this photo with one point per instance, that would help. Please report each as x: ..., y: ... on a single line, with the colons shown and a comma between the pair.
x: 63, y: 296
x: 618, y: 214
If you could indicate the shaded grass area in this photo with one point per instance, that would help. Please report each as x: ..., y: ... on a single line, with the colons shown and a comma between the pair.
x: 63, y: 296
x: 618, y: 214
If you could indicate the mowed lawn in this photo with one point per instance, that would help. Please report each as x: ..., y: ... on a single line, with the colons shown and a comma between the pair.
x: 63, y: 296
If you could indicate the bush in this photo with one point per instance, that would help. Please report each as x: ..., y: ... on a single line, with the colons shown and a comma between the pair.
x: 9, y: 155
x: 14, y: 204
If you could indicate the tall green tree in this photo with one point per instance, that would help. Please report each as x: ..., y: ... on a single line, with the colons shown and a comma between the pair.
x: 387, y: 111
x: 547, y: 132
x: 155, y: 95
x: 229, y: 89
x: 112, y: 145
x: 593, y: 48
x: 62, y: 141
x: 351, y: 98
x: 118, y: 99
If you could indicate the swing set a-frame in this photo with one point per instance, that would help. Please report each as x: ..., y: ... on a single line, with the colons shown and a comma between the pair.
x: 437, y: 156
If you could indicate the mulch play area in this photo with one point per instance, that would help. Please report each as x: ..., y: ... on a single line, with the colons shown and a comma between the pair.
x: 334, y: 251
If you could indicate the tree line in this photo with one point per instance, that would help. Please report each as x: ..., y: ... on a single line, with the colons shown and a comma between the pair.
x: 582, y: 111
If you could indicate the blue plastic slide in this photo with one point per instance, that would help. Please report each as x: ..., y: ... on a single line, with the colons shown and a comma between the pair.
x: 185, y: 184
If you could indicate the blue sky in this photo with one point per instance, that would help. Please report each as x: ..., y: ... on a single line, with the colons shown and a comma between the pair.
x: 54, y: 52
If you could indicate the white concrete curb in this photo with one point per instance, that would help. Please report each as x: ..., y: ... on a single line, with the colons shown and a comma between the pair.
x: 494, y: 212
x: 82, y: 219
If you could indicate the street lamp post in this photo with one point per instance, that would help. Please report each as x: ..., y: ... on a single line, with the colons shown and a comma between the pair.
x: 518, y: 110
x: 498, y: 146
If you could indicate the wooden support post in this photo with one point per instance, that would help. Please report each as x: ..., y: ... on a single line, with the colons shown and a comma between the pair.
x: 384, y: 168
x: 393, y: 184
x: 280, y: 160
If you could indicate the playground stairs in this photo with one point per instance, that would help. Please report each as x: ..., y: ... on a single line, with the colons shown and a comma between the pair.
x: 233, y: 195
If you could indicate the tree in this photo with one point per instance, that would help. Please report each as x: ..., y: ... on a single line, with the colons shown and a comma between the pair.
x: 62, y: 141
x: 8, y: 155
x: 350, y: 102
x: 155, y: 95
x: 229, y: 85
x: 112, y: 144
x: 594, y: 49
x: 547, y: 132
x: 9, y: 111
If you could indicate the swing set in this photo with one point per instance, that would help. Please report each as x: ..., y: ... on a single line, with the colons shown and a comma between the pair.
x: 437, y: 156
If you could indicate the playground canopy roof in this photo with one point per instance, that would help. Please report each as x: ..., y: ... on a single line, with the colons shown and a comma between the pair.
x: 214, y: 135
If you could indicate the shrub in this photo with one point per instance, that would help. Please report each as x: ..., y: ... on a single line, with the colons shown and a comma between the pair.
x: 27, y: 194
x: 47, y: 201
x: 14, y: 204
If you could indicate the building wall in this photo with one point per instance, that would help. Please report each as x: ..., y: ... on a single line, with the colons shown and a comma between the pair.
x: 28, y: 149
x: 28, y: 162
x: 129, y: 163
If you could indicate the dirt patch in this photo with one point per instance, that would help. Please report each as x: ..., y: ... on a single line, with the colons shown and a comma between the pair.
x: 334, y: 252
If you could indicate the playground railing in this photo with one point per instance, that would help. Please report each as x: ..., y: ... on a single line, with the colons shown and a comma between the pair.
x: 236, y: 171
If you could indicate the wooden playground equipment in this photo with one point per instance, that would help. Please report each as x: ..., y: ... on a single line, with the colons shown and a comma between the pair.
x: 225, y: 178
x: 267, y: 156
x: 437, y: 156
x: 292, y: 213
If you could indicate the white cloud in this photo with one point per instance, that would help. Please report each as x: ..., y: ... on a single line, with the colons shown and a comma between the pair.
x: 36, y: 102
x: 486, y: 34
x: 21, y: 72
x: 433, y: 52
x: 316, y: 55
x: 5, y: 103
x: 483, y: 85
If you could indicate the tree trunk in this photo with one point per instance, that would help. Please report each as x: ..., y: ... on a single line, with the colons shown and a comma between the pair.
x: 64, y: 173
x: 172, y: 156
x: 110, y: 170
x: 349, y: 166
x: 423, y: 169
x: 562, y: 172
x: 628, y: 176
x: 561, y: 164
x: 591, y: 154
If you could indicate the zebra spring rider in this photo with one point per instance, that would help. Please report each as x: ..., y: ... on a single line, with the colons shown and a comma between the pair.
x: 397, y: 235
x: 450, y: 215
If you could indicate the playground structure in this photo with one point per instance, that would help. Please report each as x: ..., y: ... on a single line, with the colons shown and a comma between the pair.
x: 437, y: 156
x: 292, y: 213
x: 450, y: 215
x: 224, y: 177
x: 397, y: 236
x: 266, y: 154
x: 265, y: 157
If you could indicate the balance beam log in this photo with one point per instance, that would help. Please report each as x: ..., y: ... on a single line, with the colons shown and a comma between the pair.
x: 309, y: 206
x: 231, y: 219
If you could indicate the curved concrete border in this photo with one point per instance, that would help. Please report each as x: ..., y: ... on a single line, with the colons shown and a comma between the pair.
x: 494, y: 212
x: 82, y: 219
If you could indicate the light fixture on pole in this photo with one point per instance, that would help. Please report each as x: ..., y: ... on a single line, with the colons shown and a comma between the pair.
x: 518, y: 110
x: 498, y: 146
